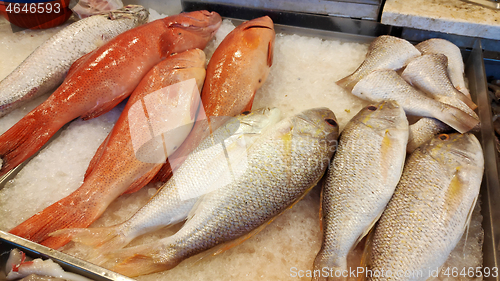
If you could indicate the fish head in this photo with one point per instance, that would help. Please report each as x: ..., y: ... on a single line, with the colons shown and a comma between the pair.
x: 256, y: 121
x: 136, y: 12
x: 197, y: 28
x: 383, y: 116
x: 317, y: 123
x: 259, y: 34
x: 239, y: 67
x: 455, y: 150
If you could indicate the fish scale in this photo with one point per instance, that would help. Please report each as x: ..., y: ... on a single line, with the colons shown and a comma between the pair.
x: 206, y: 166
x: 47, y: 66
x: 283, y: 166
x: 430, y: 208
x: 365, y: 171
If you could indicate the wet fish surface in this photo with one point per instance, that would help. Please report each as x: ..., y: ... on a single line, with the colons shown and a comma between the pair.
x: 385, y: 52
x: 383, y: 85
x: 100, y: 80
x: 47, y: 66
x: 236, y: 70
x: 429, y: 74
x: 116, y: 166
x: 430, y: 208
x: 283, y: 166
x: 455, y: 61
x: 217, y: 161
x: 366, y: 169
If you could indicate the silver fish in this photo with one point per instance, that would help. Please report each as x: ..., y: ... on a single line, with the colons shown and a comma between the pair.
x: 430, y: 208
x: 219, y: 160
x: 455, y: 61
x: 383, y: 85
x: 283, y: 165
x: 385, y: 52
x: 429, y: 74
x: 366, y: 169
x: 47, y: 66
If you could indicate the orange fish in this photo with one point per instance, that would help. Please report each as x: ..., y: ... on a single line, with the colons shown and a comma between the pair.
x: 237, y: 69
x: 100, y: 80
x: 117, y: 166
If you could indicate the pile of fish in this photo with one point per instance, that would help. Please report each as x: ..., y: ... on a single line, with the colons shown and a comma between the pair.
x: 228, y: 170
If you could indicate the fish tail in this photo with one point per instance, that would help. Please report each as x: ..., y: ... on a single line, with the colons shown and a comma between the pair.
x: 325, y: 269
x: 69, y: 212
x: 348, y: 82
x: 457, y: 119
x: 25, y: 138
x: 144, y: 259
x: 466, y: 100
x: 103, y: 240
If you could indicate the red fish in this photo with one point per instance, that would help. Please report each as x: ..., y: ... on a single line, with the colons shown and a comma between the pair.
x: 100, y: 80
x: 116, y: 166
x: 237, y: 69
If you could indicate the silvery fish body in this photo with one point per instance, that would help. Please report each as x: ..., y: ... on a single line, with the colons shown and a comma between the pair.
x: 455, y: 61
x: 429, y: 73
x: 47, y: 66
x: 430, y: 208
x: 385, y: 52
x: 219, y: 160
x: 283, y: 165
x: 383, y: 85
x: 366, y: 169
x: 423, y: 130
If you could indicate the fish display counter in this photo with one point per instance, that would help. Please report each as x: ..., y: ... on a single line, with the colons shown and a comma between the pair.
x: 310, y: 54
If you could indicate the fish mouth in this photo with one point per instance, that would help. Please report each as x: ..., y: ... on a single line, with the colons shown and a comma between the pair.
x: 130, y: 12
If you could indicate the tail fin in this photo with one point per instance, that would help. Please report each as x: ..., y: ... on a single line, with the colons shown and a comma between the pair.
x: 69, y: 212
x: 25, y: 138
x: 144, y: 259
x: 103, y: 239
x: 348, y: 82
x: 457, y: 119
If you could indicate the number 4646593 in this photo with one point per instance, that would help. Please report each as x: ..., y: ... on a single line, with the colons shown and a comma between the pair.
x: 33, y: 8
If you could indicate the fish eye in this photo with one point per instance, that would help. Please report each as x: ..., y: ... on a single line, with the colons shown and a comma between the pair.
x: 444, y: 137
x: 371, y: 107
x: 331, y: 122
x: 245, y: 112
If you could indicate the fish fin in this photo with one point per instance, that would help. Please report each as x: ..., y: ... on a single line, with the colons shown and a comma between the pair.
x: 100, y: 109
x: 96, y: 157
x: 103, y: 240
x: 365, y: 261
x: 164, y: 174
x: 270, y: 54
x: 347, y: 82
x: 143, y: 181
x: 79, y: 62
x: 65, y: 213
x: 456, y: 118
x: 466, y: 100
x: 144, y: 259
x: 26, y: 137
x: 249, y: 106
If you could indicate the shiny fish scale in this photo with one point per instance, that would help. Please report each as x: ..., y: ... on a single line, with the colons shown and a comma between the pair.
x: 362, y: 179
x: 281, y: 169
x: 47, y: 66
x: 428, y: 213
